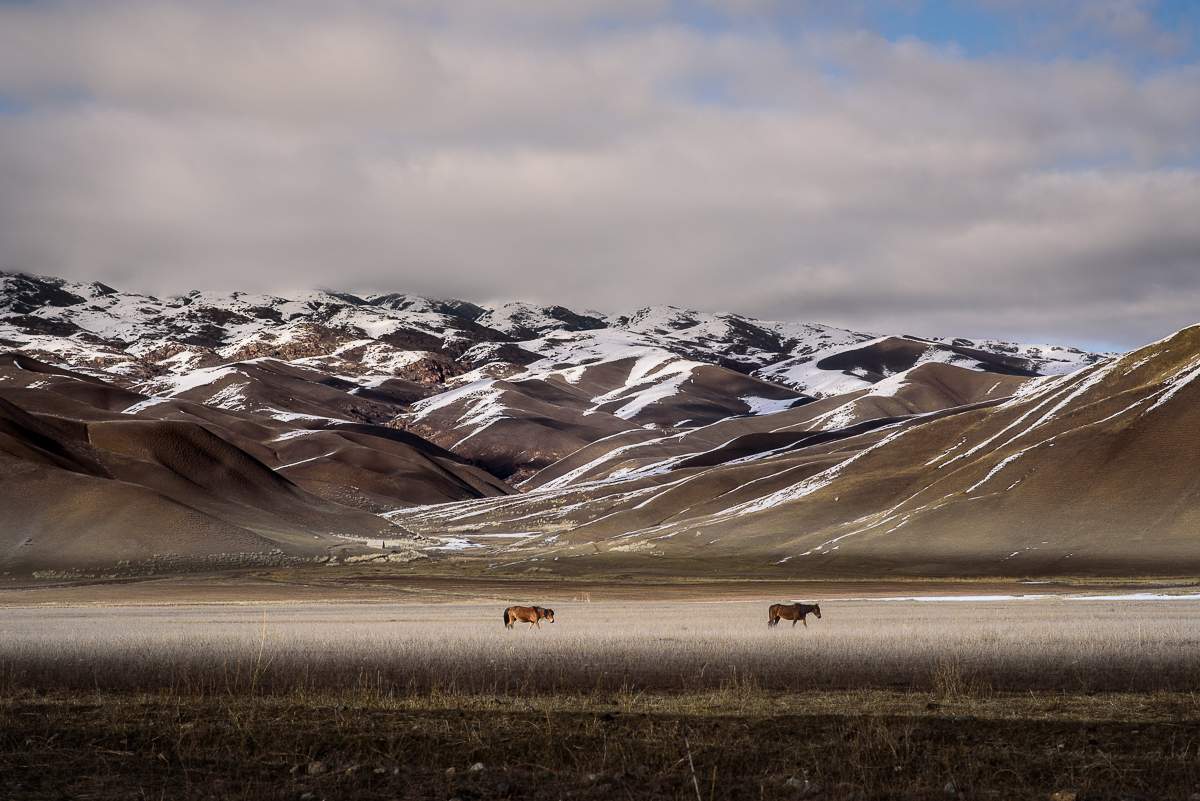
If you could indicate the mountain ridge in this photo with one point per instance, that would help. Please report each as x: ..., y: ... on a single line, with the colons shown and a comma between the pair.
x: 327, y: 427
x: 124, y: 333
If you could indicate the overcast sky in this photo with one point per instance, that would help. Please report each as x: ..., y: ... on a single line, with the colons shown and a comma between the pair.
x: 997, y: 168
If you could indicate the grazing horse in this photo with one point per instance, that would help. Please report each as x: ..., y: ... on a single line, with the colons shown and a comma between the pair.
x: 527, y: 614
x: 793, y: 612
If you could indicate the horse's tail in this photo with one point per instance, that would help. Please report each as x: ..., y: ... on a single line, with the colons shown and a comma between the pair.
x: 506, y: 617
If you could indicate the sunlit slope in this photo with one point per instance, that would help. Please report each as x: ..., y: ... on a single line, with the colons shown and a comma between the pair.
x: 522, y: 425
x: 922, y: 390
x: 1093, y: 472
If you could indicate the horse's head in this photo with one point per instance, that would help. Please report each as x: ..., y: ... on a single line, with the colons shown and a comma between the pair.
x: 817, y: 610
x: 548, y: 614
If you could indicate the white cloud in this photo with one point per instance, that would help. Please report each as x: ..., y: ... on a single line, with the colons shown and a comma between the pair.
x: 439, y: 148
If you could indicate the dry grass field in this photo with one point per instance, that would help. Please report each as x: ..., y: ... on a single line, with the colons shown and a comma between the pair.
x: 879, y: 699
x: 1070, y: 644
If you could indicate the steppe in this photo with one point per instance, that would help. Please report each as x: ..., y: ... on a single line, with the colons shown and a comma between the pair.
x: 310, y: 685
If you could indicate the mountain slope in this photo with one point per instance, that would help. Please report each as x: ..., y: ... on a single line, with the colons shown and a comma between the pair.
x: 1093, y: 472
x: 572, y: 377
x: 214, y: 430
x: 97, y: 479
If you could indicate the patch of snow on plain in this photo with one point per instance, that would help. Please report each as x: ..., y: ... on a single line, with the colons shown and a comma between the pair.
x: 304, y: 461
x: 818, y: 383
x: 452, y: 544
x: 959, y: 598
x: 1042, y: 385
x: 657, y: 392
x: 1136, y: 596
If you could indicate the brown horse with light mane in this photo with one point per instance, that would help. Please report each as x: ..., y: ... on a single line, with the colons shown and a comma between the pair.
x: 527, y: 614
x: 793, y: 612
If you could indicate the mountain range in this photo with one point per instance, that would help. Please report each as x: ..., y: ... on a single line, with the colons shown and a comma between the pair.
x: 213, y: 431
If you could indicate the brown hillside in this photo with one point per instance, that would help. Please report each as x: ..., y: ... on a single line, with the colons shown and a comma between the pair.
x: 1093, y: 472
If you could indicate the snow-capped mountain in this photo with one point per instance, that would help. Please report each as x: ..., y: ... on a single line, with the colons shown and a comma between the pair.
x: 513, y: 388
x: 267, y: 430
x: 132, y: 337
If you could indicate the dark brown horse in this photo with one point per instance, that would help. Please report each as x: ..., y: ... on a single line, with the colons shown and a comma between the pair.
x: 793, y: 612
x: 527, y: 614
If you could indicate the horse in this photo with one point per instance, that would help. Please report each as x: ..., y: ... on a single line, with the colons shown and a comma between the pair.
x: 527, y: 614
x: 792, y: 612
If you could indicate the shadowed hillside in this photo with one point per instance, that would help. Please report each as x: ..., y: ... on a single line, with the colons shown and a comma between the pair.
x: 175, y: 485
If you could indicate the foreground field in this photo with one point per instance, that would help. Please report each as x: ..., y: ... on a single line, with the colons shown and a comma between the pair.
x: 712, y: 744
x: 879, y: 699
x: 1074, y: 644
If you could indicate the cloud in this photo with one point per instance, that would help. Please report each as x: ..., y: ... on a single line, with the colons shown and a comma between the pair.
x: 605, y: 156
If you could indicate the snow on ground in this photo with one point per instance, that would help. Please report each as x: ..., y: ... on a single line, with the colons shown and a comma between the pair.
x: 515, y: 318
x: 174, y: 385
x: 482, y: 401
x: 767, y: 405
x: 1066, y: 596
x: 652, y: 379
x: 1048, y: 359
x: 663, y: 343
x: 847, y: 413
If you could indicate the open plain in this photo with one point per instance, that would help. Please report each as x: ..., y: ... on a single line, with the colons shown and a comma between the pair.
x: 260, y: 547
x: 921, y: 695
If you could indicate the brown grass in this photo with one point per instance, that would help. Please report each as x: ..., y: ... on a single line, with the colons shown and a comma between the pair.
x: 745, y: 743
x: 1074, y: 645
x: 876, y: 700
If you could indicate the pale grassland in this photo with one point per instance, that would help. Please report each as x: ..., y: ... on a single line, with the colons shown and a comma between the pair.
x: 950, y: 646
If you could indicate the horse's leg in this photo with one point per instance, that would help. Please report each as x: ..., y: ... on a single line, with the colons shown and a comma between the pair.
x: 805, y: 619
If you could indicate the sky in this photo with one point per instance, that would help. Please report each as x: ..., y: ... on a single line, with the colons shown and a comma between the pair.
x: 1017, y: 169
